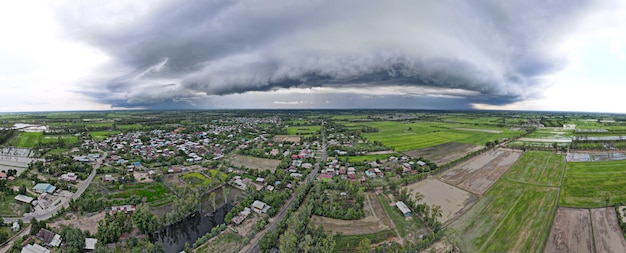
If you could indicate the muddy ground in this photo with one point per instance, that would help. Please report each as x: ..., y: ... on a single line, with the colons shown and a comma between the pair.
x: 571, y: 231
x: 453, y: 201
x: 478, y: 174
x: 444, y: 153
x: 606, y: 230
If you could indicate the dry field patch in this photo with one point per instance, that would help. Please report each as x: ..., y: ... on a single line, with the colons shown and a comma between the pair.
x: 571, y: 231
x: 444, y: 153
x: 606, y: 230
x: 286, y: 138
x: 255, y: 162
x: 453, y: 201
x: 375, y: 219
x: 84, y: 222
x: 481, y: 172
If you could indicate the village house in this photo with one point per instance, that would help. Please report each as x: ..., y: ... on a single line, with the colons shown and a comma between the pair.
x: 49, y: 238
x: 124, y: 208
x: 34, y: 248
x: 69, y: 177
x: 259, y: 207
x: 41, y: 188
x: 241, y: 216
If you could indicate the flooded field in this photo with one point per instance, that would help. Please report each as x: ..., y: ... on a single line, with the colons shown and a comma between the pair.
x: 595, y: 156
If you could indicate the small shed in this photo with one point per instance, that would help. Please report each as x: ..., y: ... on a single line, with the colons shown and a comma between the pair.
x: 404, y: 209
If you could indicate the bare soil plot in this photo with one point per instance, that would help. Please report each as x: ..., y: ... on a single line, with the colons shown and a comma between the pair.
x: 480, y: 130
x: 571, y: 231
x: 444, y: 153
x: 453, y: 201
x: 142, y: 177
x: 479, y: 173
x: 375, y: 219
x: 255, y: 162
x: 606, y: 230
x: 286, y: 138
x: 84, y: 222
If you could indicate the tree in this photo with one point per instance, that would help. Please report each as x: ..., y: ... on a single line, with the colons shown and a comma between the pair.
x: 145, y: 220
x: 288, y: 241
x: 365, y: 246
x: 73, y: 238
x: 225, y: 191
x: 212, y: 199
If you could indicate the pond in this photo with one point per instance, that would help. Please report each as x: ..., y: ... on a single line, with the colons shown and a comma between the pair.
x: 174, y: 237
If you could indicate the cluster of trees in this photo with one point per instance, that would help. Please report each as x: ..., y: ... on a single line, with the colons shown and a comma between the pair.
x: 145, y: 220
x: 57, y: 164
x: 294, y: 234
x: 214, y: 232
x: 111, y: 228
x: 74, y: 239
x: 5, y: 135
x: 89, y: 202
x: 186, y: 204
x: 344, y: 209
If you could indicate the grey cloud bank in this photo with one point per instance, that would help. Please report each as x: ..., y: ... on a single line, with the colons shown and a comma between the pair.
x: 198, y: 54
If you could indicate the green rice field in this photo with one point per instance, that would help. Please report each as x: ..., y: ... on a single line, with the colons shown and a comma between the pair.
x: 589, y: 184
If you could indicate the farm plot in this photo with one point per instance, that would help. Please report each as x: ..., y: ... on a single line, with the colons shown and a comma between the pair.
x: 606, y: 230
x: 479, y: 173
x: 538, y: 167
x: 595, y: 156
x: 407, y: 136
x: 453, y: 201
x: 255, y: 163
x: 510, y: 217
x: 375, y: 219
x: 571, y: 231
x: 594, y: 184
x: 302, y: 130
x: 444, y: 153
x: 286, y: 138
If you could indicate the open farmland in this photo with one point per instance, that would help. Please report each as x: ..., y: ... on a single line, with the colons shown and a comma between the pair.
x: 375, y: 219
x: 479, y: 173
x: 571, y: 231
x: 606, y: 230
x: 451, y: 199
x: 255, y: 163
x: 29, y: 139
x: 515, y: 215
x: 510, y: 217
x: 444, y: 153
x: 594, y: 184
x: 407, y: 136
x: 538, y: 167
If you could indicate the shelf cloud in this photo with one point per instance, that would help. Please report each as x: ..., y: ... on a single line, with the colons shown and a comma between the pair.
x: 166, y: 53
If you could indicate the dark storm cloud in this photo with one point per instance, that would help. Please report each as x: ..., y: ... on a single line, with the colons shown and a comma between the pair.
x: 177, y: 52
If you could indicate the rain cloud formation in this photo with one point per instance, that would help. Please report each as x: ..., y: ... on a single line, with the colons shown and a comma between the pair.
x: 199, y: 54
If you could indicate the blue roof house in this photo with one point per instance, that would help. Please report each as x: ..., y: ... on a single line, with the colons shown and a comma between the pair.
x: 41, y: 188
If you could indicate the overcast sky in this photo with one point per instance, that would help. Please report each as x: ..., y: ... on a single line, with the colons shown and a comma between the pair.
x: 565, y: 55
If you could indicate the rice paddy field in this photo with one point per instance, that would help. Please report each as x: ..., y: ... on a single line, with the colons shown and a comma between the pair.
x: 407, y: 136
x: 594, y: 184
x: 302, y: 130
x: 516, y: 214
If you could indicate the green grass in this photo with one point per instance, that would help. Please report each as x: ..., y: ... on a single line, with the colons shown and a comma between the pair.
x: 349, y: 243
x: 29, y: 139
x: 67, y: 139
x: 101, y: 135
x: 510, y: 217
x: 586, y: 184
x: 516, y: 214
x: 226, y: 241
x: 132, y: 126
x: 369, y: 158
x: 404, y: 226
x: 151, y: 191
x: 9, y: 206
x: 539, y: 168
x: 195, y: 178
x: 426, y: 134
